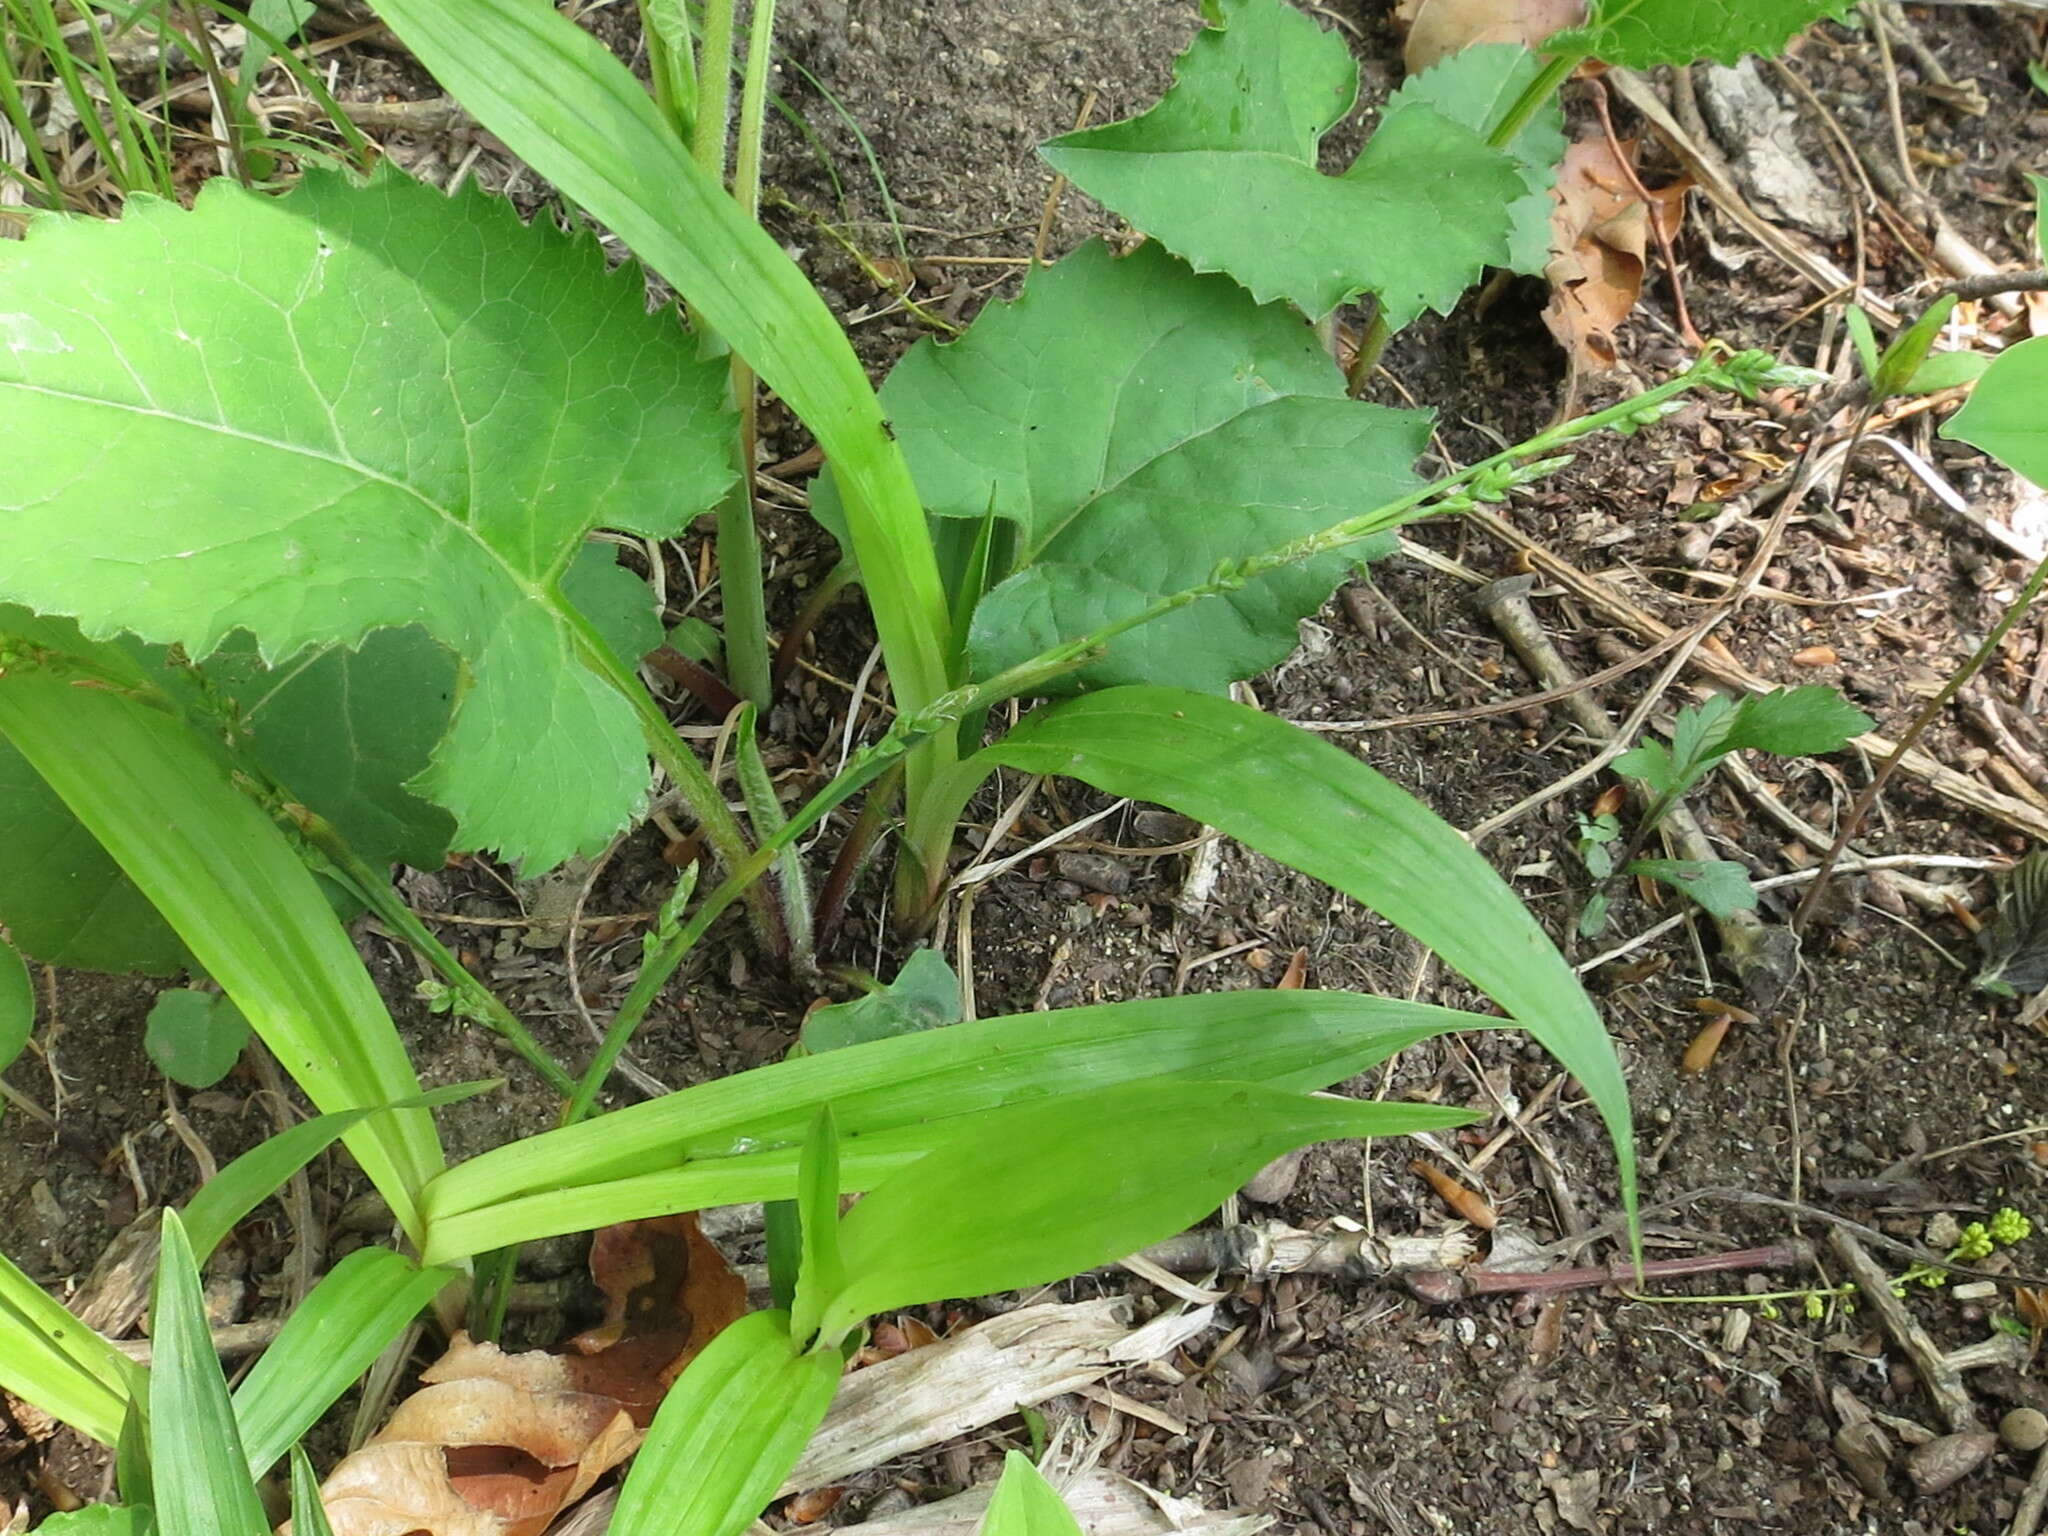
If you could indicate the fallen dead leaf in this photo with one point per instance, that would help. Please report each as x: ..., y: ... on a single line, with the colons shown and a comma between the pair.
x: 497, y: 1444
x: 1439, y: 27
x: 1295, y: 976
x: 1600, y: 232
x: 1706, y: 1045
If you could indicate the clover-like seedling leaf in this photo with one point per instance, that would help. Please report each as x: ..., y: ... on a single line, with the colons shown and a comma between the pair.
x: 1721, y: 886
x: 1641, y: 34
x: 194, y: 1038
x: 1222, y: 171
x: 924, y: 995
x: 1135, y: 425
x: 1474, y: 87
x: 348, y: 409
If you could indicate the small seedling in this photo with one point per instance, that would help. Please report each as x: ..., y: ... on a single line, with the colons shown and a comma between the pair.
x: 1789, y: 722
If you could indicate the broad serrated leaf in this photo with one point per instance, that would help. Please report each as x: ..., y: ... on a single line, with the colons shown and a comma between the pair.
x: 1641, y: 34
x: 345, y: 730
x: 194, y: 1038
x: 924, y: 995
x: 352, y: 408
x: 1721, y: 886
x: 1136, y: 424
x: 1651, y: 762
x: 1475, y: 87
x: 1223, y: 172
x: 1794, y: 722
x: 2003, y: 415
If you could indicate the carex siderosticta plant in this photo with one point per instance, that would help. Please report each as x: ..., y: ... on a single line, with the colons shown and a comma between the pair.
x: 310, y: 551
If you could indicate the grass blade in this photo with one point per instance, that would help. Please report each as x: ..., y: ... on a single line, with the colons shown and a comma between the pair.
x: 1304, y: 1039
x: 1300, y: 800
x: 49, y: 1358
x: 727, y: 1433
x: 1025, y: 1504
x: 202, y: 1480
x: 331, y: 1338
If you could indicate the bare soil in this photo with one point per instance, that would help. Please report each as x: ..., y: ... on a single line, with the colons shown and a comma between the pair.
x: 1882, y: 1089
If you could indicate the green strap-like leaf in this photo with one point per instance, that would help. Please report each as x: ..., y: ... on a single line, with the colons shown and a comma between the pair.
x: 353, y: 407
x: 577, y: 115
x: 1641, y: 34
x: 1294, y: 1039
x: 728, y: 1433
x: 309, y: 1510
x: 1136, y: 425
x: 239, y: 897
x: 1223, y: 172
x: 201, y: 1477
x: 331, y: 1338
x: 49, y: 1358
x: 1038, y: 1191
x: 260, y: 1172
x: 1025, y: 1504
x: 1300, y: 800
x: 821, y: 1272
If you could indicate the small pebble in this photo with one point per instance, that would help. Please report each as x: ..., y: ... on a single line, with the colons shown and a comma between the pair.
x: 2024, y: 1429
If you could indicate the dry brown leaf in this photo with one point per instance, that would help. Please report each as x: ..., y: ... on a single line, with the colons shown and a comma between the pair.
x: 1440, y: 27
x: 495, y: 1444
x: 1600, y: 232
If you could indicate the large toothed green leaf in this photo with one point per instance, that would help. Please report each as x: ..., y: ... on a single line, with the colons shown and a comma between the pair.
x: 1135, y: 424
x: 350, y: 408
x: 1475, y: 87
x: 1641, y: 34
x: 1223, y: 172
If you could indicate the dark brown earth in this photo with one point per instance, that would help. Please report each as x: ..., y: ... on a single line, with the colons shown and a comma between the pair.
x: 1343, y: 1408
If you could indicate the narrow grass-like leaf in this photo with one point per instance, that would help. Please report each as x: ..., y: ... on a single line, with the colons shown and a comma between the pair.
x: 1025, y: 1504
x: 1038, y: 1191
x: 260, y: 1172
x: 201, y: 1477
x: 821, y: 1273
x: 1293, y: 1039
x: 331, y: 1338
x: 1302, y: 801
x: 239, y: 897
x: 359, y: 407
x: 728, y: 1433
x: 573, y: 112
x: 49, y: 1358
x: 309, y: 1510
x: 17, y: 1005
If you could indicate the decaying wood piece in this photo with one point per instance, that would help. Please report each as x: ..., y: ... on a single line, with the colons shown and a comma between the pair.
x: 962, y: 1383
